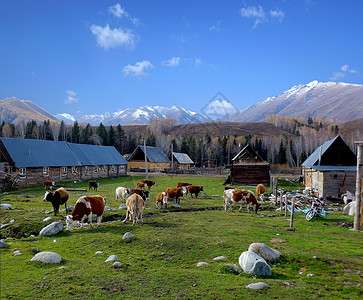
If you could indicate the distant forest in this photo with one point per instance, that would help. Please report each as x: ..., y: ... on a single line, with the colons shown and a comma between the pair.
x: 306, y: 136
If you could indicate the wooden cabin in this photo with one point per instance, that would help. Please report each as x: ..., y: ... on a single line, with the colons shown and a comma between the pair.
x: 249, y: 168
x: 34, y: 161
x: 331, y: 169
x: 181, y: 161
x: 157, y: 160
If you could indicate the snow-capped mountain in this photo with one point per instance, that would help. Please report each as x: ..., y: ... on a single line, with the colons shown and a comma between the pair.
x: 143, y: 115
x: 331, y: 100
x: 66, y: 118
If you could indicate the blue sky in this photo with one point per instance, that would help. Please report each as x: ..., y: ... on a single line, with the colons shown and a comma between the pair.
x: 102, y: 56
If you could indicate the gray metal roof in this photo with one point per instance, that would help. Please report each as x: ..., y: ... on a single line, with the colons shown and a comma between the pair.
x: 334, y: 168
x: 42, y: 153
x: 154, y: 154
x: 182, y: 158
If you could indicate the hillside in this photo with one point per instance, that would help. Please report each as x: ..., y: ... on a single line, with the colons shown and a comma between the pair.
x: 16, y: 111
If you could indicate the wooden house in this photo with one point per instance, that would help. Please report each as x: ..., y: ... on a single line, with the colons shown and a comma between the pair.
x: 249, y: 168
x: 331, y: 169
x: 181, y: 161
x: 34, y: 161
x: 156, y: 159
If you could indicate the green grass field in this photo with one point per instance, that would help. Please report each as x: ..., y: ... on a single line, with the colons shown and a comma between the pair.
x: 161, y: 261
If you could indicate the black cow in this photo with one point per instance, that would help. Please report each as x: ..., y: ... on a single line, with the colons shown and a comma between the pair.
x: 59, y: 197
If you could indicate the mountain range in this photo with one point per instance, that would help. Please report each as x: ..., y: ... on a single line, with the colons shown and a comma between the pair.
x: 331, y: 100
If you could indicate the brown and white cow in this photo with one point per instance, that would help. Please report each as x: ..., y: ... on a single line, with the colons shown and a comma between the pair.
x: 194, y: 189
x: 57, y: 198
x: 48, y: 184
x: 240, y: 196
x: 162, y: 200
x: 174, y: 193
x: 180, y: 184
x: 148, y: 183
x: 260, y: 190
x: 134, y: 208
x: 86, y: 206
x: 140, y: 192
x: 93, y: 184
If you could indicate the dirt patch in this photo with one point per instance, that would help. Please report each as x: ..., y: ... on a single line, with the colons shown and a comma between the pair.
x: 277, y: 240
x: 340, y: 224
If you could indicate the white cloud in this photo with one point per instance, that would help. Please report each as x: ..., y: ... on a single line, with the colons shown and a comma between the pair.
x: 137, y: 69
x: 109, y: 38
x: 277, y: 14
x: 347, y: 69
x: 117, y: 11
x: 198, y: 62
x: 172, y: 62
x: 344, y: 70
x: 72, y: 97
x: 337, y: 76
x: 216, y: 26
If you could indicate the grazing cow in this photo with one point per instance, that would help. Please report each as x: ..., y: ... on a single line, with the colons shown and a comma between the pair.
x: 229, y: 188
x: 172, y: 193
x: 48, y: 184
x: 121, y: 193
x: 242, y: 196
x: 86, y: 206
x: 93, y: 184
x: 57, y: 198
x: 180, y: 184
x: 135, y: 206
x: 148, y: 183
x: 162, y: 199
x: 140, y: 185
x: 194, y: 189
x: 260, y: 190
x: 142, y: 193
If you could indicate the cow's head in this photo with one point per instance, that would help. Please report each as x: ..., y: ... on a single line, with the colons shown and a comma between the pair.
x: 70, y: 223
x: 46, y: 195
x: 201, y: 188
x: 146, y: 195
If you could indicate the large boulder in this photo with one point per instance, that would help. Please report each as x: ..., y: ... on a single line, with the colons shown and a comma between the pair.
x: 5, y: 206
x: 252, y: 263
x: 265, y: 251
x: 51, y: 229
x: 349, y: 209
x: 47, y: 257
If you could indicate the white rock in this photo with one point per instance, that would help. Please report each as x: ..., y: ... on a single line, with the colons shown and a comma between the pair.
x: 310, y: 275
x: 3, y: 245
x: 202, y: 263
x: 12, y: 221
x: 122, y: 206
x: 349, y: 209
x: 47, y: 257
x: 17, y: 252
x: 99, y: 252
x: 48, y: 219
x: 116, y: 264
x: 127, y: 235
x: 51, y: 229
x: 111, y: 258
x: 220, y: 257
x: 251, y: 262
x: 257, y: 286
x: 107, y: 208
x: 265, y: 251
x: 5, y: 206
x: 63, y: 268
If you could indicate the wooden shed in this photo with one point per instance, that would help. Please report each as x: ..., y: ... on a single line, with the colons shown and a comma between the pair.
x: 249, y: 168
x: 181, y: 161
x: 34, y: 161
x: 156, y: 159
x: 331, y: 169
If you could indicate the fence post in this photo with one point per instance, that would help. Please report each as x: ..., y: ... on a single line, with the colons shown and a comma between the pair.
x: 292, y: 213
x: 358, y: 187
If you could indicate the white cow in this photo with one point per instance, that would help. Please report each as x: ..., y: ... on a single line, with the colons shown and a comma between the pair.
x: 121, y: 193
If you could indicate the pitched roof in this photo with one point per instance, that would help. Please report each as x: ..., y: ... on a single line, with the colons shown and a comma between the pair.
x: 182, y: 158
x: 42, y: 153
x: 246, y: 153
x: 321, y: 153
x: 154, y: 154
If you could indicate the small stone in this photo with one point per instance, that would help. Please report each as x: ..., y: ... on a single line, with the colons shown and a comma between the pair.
x: 257, y: 286
x: 202, y: 263
x: 116, y: 265
x: 310, y: 275
x: 111, y: 258
x: 35, y: 249
x: 175, y: 206
x: 3, y: 245
x: 63, y: 268
x: 122, y: 206
x: 12, y: 221
x: 99, y: 252
x: 127, y: 235
x: 17, y: 252
x: 107, y: 208
x: 220, y: 257
x: 46, y: 278
x: 48, y: 219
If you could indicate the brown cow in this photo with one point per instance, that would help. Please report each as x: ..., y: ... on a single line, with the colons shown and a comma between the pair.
x: 148, y: 183
x: 172, y: 193
x: 86, y: 206
x: 140, y: 185
x: 140, y: 192
x: 135, y: 206
x: 48, y: 184
x: 180, y: 184
x: 241, y: 196
x: 93, y: 184
x: 161, y: 199
x: 194, y: 189
x: 57, y: 198
x: 260, y: 190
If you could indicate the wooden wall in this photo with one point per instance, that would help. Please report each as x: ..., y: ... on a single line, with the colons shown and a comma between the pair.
x: 152, y: 166
x: 250, y: 174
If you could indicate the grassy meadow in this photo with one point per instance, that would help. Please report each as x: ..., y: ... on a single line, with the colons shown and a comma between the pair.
x: 161, y: 260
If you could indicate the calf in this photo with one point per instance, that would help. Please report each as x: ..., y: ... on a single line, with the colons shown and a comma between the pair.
x: 240, y: 196
x: 148, y: 183
x: 140, y: 192
x: 260, y: 190
x: 172, y: 193
x: 93, y: 184
x: 194, y: 189
x: 162, y: 199
x: 121, y: 193
x: 48, y: 184
x: 135, y: 206
x: 57, y: 198
x: 86, y: 206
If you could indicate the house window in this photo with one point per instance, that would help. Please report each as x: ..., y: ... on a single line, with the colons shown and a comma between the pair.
x: 22, y: 172
x: 74, y: 170
x: 104, y: 169
x: 46, y: 171
x: 64, y: 171
x: 113, y: 169
x: 167, y: 165
x: 96, y: 169
x: 163, y: 165
x: 86, y: 170
x: 157, y: 166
